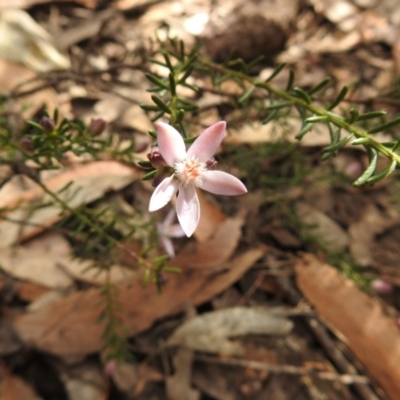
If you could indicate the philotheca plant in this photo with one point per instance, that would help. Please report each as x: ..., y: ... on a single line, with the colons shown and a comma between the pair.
x: 343, y: 129
x: 97, y: 230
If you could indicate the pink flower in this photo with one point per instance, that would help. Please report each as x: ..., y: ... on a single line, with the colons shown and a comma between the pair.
x: 167, y: 230
x: 190, y: 171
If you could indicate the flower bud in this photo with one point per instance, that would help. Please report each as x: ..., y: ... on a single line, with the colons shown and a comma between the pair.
x: 156, y: 159
x: 162, y: 279
x: 140, y: 146
x: 26, y: 144
x: 211, y: 163
x: 381, y: 287
x: 47, y: 124
x: 110, y: 368
x: 158, y: 178
x: 97, y: 126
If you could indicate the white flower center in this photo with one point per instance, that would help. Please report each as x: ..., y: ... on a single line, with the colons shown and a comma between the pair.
x: 190, y: 171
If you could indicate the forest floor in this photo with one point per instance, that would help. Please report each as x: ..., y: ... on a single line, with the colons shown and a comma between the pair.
x: 290, y: 292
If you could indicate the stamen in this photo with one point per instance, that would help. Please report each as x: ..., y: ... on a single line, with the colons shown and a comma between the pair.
x: 190, y: 171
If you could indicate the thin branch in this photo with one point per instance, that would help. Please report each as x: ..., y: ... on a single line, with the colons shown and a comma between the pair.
x: 347, y: 379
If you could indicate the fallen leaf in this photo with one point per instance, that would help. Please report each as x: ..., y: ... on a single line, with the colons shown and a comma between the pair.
x: 145, y: 374
x: 84, y: 381
x: 179, y: 384
x: 24, y: 41
x: 323, y: 227
x: 210, y: 217
x: 219, y: 247
x: 210, y: 332
x: 35, y: 266
x: 9, y: 342
x: 214, y: 381
x: 12, y: 75
x: 86, y: 183
x: 28, y: 291
x: 69, y: 327
x: 47, y: 260
x: 371, y: 335
x: 14, y: 388
x: 132, y: 4
x: 362, y: 234
x: 256, y: 132
x: 30, y: 3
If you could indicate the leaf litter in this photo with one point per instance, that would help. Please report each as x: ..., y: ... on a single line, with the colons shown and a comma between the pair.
x: 210, y: 332
x: 231, y: 257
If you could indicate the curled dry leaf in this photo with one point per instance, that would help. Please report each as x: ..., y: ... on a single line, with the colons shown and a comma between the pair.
x: 372, y: 336
x: 210, y: 332
x: 24, y: 41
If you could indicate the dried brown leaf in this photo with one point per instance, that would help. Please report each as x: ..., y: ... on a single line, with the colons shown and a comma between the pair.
x: 69, y: 327
x: 372, y: 336
x: 12, y: 74
x: 14, y: 388
x: 212, y: 253
x: 23, y: 40
x: 132, y: 4
x: 211, y: 216
x: 28, y: 291
x: 31, y: 3
x: 88, y: 182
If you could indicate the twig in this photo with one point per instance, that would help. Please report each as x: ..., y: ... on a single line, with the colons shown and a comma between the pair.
x: 347, y: 379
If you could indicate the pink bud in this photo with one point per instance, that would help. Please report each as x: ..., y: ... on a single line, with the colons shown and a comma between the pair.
x: 380, y: 286
x: 156, y: 159
x: 26, y: 144
x: 97, y: 126
x: 354, y: 169
x: 140, y: 146
x: 110, y: 367
x: 211, y: 163
x: 47, y: 124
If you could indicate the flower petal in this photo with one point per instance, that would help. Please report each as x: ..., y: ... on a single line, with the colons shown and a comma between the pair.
x: 205, y: 146
x: 163, y: 193
x: 175, y: 231
x: 171, y: 144
x: 219, y: 182
x: 168, y: 246
x: 188, y: 209
x: 169, y: 219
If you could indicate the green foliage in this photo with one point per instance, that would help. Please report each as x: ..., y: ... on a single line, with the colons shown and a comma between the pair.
x: 270, y: 166
x: 115, y: 343
x: 274, y: 104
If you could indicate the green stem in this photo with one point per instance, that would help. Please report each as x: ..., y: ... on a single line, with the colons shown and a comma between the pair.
x: 330, y: 116
x: 146, y: 264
